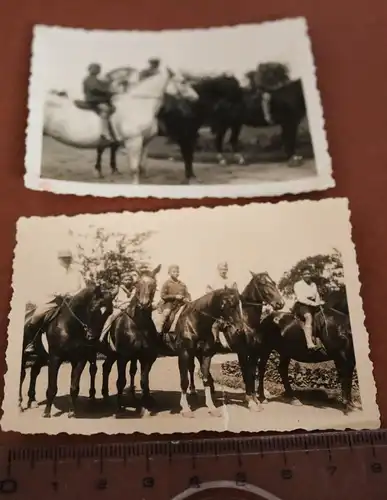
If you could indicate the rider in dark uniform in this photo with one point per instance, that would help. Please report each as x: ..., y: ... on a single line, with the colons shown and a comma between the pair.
x: 98, y: 97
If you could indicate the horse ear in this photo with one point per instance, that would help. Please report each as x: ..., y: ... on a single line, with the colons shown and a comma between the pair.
x: 253, y: 274
x: 156, y: 270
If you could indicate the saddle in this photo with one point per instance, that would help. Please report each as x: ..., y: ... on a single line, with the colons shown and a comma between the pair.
x: 87, y: 106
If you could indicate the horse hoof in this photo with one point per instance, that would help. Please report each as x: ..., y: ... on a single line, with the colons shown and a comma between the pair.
x: 295, y: 161
x: 187, y: 414
x: 265, y: 401
x: 46, y: 415
x: 192, y: 393
x: 216, y: 412
x: 222, y: 163
x: 295, y: 402
x: 254, y: 407
x: 71, y: 414
x: 32, y: 405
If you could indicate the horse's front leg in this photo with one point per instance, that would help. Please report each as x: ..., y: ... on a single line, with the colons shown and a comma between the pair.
x: 22, y: 378
x: 184, y: 364
x: 113, y: 159
x: 234, y: 142
x: 34, y: 374
x: 206, y: 364
x: 54, y: 363
x: 283, y: 369
x: 146, y: 365
x: 248, y: 365
x: 77, y: 368
x: 187, y: 148
x: 106, y: 369
x: 98, y: 162
x: 93, y: 373
x: 262, y: 364
x: 121, y: 382
x: 345, y: 369
x: 191, y: 372
x: 132, y: 373
x: 289, y: 139
x: 134, y: 148
x: 219, y: 139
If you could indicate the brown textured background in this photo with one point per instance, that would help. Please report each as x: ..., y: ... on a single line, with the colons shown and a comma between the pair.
x: 349, y: 45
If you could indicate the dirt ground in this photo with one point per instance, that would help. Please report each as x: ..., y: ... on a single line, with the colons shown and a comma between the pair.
x: 265, y: 163
x: 165, y: 386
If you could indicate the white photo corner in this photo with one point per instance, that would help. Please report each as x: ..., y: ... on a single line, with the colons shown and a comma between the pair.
x: 220, y: 112
x: 131, y: 324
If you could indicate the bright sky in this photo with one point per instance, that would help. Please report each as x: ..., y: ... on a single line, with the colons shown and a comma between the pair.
x: 257, y: 237
x: 62, y: 54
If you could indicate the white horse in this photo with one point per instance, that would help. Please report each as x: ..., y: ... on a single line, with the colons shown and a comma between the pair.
x: 134, y: 120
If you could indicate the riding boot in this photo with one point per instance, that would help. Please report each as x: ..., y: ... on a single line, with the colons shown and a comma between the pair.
x: 215, y: 331
x: 308, y: 330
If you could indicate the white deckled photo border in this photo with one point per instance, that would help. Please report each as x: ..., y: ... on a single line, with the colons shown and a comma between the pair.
x: 279, y: 32
x: 335, y: 210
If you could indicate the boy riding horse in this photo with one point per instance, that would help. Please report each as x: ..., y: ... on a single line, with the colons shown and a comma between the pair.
x: 174, y: 293
x: 68, y: 282
x: 98, y: 97
x: 308, y: 303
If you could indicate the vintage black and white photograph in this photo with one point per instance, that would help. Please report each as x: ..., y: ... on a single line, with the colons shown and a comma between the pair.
x: 232, y: 318
x: 176, y: 113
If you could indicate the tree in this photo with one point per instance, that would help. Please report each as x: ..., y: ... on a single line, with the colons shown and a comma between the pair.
x: 327, y: 271
x: 109, y: 254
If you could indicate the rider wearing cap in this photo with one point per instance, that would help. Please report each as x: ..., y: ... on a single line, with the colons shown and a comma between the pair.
x: 98, y: 97
x: 123, y: 300
x: 152, y: 69
x: 68, y: 281
x: 221, y: 280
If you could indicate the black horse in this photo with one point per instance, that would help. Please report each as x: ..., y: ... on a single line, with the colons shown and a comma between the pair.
x: 133, y: 336
x: 287, y: 109
x: 72, y: 333
x: 284, y: 334
x: 39, y: 357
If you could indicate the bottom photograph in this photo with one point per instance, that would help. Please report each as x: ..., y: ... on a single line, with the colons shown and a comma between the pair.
x: 179, y: 321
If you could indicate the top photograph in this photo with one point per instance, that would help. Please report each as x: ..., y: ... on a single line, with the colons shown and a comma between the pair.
x: 219, y: 112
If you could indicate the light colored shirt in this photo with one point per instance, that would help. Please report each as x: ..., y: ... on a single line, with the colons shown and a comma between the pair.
x: 64, y: 282
x: 123, y: 297
x: 219, y: 282
x: 307, y: 293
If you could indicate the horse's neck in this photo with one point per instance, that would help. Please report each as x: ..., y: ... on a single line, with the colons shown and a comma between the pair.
x: 152, y: 87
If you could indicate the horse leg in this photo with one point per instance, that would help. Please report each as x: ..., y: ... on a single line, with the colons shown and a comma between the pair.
x: 262, y: 364
x: 289, y: 139
x: 98, y: 163
x: 77, y: 368
x: 22, y: 378
x: 219, y: 138
x: 146, y: 365
x: 191, y: 369
x: 246, y: 365
x: 93, y: 372
x: 345, y: 371
x: 121, y: 382
x: 234, y: 142
x: 106, y: 369
x: 206, y: 363
x: 184, y: 363
x: 134, y: 147
x: 283, y: 369
x: 143, y: 161
x: 34, y: 374
x: 211, y: 381
x: 113, y: 159
x: 132, y: 373
x: 187, y: 147
x: 52, y: 387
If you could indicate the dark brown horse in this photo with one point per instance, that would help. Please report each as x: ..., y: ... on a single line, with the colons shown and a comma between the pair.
x: 284, y: 334
x: 72, y: 333
x: 133, y: 336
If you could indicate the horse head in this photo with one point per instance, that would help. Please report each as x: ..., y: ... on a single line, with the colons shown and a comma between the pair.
x: 120, y: 80
x: 229, y: 308
x: 146, y: 288
x: 263, y: 290
x: 179, y: 86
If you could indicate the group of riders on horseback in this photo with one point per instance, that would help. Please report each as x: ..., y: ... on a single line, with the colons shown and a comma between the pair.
x: 98, y: 93
x: 174, y: 295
